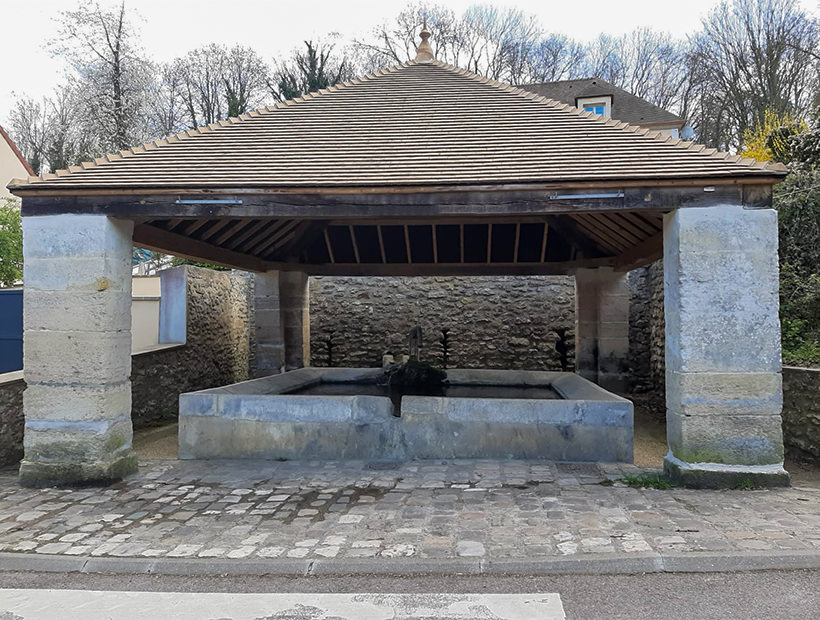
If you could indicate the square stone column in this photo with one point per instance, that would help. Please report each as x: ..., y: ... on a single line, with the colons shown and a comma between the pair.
x: 294, y: 295
x: 723, y: 384
x: 602, y: 327
x: 282, y: 322
x: 77, y: 350
x: 270, y: 343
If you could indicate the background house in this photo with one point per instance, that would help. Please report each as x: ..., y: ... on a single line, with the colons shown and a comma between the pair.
x: 12, y: 164
x: 600, y: 97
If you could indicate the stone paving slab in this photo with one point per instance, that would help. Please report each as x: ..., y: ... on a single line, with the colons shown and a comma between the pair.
x: 473, y: 516
x: 96, y: 605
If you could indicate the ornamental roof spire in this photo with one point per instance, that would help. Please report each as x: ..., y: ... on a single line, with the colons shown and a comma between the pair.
x: 424, y: 53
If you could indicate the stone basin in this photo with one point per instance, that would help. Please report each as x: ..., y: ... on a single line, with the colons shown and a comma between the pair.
x: 264, y: 418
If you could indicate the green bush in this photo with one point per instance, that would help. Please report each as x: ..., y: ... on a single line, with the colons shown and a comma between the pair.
x: 11, y: 242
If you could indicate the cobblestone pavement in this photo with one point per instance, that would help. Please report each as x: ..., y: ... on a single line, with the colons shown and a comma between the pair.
x: 496, y: 510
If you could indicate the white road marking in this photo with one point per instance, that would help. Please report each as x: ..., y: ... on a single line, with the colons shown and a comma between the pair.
x: 111, y: 605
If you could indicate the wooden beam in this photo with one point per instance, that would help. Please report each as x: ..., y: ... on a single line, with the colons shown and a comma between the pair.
x: 231, y: 231
x: 390, y: 203
x: 642, y: 254
x: 407, y: 245
x: 329, y: 246
x: 544, y: 243
x: 568, y: 229
x: 305, y: 237
x: 489, y: 243
x: 248, y: 232
x: 355, y: 246
x: 157, y: 239
x: 381, y: 244
x: 195, y: 226
x: 517, y: 239
x: 275, y: 236
x: 453, y: 269
x: 215, y: 228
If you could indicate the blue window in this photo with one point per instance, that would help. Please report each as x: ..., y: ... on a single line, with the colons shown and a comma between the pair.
x: 596, y: 108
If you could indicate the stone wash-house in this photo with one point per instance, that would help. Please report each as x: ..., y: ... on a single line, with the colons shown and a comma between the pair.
x: 357, y: 320
x: 421, y: 169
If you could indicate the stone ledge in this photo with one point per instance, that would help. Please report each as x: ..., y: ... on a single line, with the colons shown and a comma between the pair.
x: 719, y: 476
x: 8, y: 378
x: 42, y: 474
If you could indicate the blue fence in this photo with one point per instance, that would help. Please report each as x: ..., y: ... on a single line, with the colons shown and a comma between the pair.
x: 11, y: 330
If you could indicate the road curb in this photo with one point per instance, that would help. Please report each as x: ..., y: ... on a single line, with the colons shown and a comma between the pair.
x: 285, y: 567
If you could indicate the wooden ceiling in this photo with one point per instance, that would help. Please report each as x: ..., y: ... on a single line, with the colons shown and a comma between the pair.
x: 525, y: 244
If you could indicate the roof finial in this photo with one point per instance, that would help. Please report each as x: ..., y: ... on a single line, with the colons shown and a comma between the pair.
x: 424, y: 53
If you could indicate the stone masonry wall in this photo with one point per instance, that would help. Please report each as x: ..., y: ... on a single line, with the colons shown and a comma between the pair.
x: 646, y: 336
x: 498, y: 322
x: 801, y: 412
x: 217, y: 350
x: 11, y: 421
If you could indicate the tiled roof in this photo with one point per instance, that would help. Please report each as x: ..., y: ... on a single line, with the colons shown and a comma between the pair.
x: 626, y: 107
x: 417, y: 124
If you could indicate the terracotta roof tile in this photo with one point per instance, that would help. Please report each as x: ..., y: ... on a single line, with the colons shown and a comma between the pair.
x: 414, y: 124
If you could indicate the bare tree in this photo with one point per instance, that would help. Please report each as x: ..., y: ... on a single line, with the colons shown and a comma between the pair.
x: 102, y: 47
x: 50, y: 132
x: 215, y: 82
x: 308, y: 71
x: 750, y: 56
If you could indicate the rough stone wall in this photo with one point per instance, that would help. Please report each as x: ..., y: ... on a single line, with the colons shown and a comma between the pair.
x: 11, y: 422
x: 498, y: 322
x: 217, y: 351
x: 801, y: 412
x: 647, y: 335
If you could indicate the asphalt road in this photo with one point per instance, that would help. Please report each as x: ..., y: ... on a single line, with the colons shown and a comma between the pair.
x: 769, y: 595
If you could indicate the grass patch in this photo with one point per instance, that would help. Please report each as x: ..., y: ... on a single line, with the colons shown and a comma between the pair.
x: 648, y: 481
x: 746, y: 485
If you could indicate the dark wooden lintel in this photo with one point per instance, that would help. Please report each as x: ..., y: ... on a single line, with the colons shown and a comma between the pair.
x: 397, y: 205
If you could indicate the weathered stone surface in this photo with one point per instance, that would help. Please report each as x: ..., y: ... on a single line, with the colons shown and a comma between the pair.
x: 75, y: 428
x: 80, y: 402
x: 258, y: 420
x: 68, y: 357
x: 714, y: 394
x: 801, y: 412
x: 721, y: 310
x: 218, y: 349
x: 710, y: 476
x: 498, y: 322
x: 726, y: 439
x: 647, y: 336
x: 11, y: 420
x: 602, y: 327
x: 721, y: 295
x: 294, y: 300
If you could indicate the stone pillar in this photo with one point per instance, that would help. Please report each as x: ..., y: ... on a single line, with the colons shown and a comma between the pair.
x: 602, y: 327
x: 270, y: 345
x: 294, y: 295
x: 282, y: 322
x: 723, y: 385
x: 77, y: 350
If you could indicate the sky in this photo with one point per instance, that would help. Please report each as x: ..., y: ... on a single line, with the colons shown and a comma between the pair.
x: 171, y: 28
